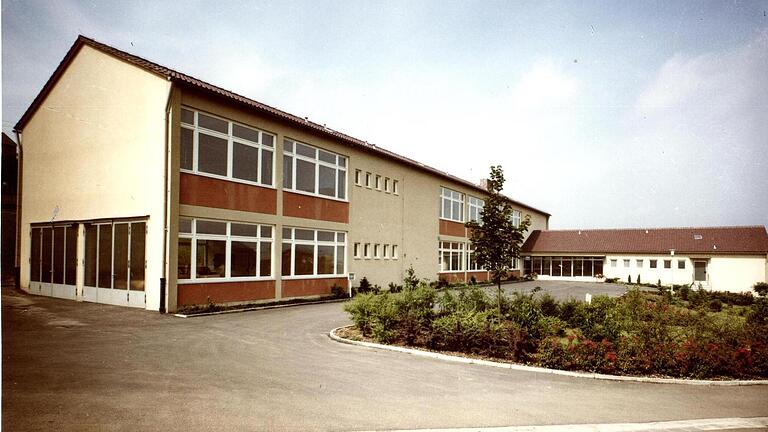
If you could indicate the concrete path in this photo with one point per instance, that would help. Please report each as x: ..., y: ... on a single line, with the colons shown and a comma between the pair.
x: 563, y: 290
x: 81, y: 366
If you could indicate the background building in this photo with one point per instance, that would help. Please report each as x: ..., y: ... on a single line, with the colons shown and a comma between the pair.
x: 718, y: 258
x: 136, y: 176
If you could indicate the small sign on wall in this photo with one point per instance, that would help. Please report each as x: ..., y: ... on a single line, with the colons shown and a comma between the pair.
x: 351, y: 276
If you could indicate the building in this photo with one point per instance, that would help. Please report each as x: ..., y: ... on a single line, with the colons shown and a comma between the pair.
x: 8, y: 218
x: 717, y: 258
x: 146, y: 187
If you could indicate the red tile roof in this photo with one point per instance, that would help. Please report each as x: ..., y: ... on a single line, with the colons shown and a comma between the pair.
x: 709, y: 240
x: 183, y: 79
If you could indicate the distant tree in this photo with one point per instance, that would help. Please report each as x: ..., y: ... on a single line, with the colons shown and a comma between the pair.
x: 495, y: 239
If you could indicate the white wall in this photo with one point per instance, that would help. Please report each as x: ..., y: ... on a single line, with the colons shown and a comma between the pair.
x: 647, y: 274
x: 95, y: 149
x: 736, y: 274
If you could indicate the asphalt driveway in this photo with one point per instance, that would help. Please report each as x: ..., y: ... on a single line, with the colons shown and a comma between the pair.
x: 82, y: 366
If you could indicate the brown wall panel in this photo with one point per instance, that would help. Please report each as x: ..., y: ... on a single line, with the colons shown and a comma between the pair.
x: 451, y: 277
x: 310, y: 287
x: 309, y: 207
x: 224, y: 292
x: 480, y: 276
x: 451, y: 228
x: 210, y: 192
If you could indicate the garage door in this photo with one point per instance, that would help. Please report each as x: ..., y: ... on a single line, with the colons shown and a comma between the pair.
x: 115, y: 263
x: 53, y: 260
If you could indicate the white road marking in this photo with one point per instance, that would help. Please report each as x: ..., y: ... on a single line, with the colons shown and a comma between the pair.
x: 677, y: 425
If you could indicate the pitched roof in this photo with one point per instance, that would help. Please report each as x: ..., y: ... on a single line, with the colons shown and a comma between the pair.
x: 183, y: 79
x: 709, y: 240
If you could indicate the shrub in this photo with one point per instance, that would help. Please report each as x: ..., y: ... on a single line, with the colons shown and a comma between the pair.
x: 410, y: 280
x: 524, y: 310
x: 629, y: 279
x: 638, y: 279
x: 365, y: 286
x: 715, y: 305
x: 548, y: 305
x: 395, y: 288
x: 611, y: 280
x: 551, y: 326
x: 442, y: 283
x: 473, y: 280
x: 567, y: 311
x: 761, y: 288
x: 684, y: 291
x: 658, y: 284
x: 337, y: 291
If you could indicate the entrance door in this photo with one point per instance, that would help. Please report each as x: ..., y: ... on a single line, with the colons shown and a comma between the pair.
x: 700, y: 271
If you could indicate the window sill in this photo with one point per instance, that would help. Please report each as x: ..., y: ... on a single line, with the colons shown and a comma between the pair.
x: 219, y: 280
x: 315, y: 195
x: 304, y: 277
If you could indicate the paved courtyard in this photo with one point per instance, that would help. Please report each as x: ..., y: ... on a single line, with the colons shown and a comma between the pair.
x: 81, y: 366
x: 563, y: 290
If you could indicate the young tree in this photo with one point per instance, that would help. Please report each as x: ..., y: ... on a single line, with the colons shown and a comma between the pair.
x: 496, y: 240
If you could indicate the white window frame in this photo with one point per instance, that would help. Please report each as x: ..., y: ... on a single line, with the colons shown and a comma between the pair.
x: 627, y: 263
x: 614, y: 263
x: 193, y: 236
x: 451, y: 247
x: 340, y: 239
x: 367, y: 251
x: 394, y: 252
x: 385, y: 251
x: 377, y: 182
x: 358, y: 177
x: 376, y: 251
x: 475, y: 205
x: 639, y: 263
x: 451, y: 196
x: 394, y: 187
x: 517, y: 218
x: 470, y: 251
x: 338, y: 166
x: 368, y: 179
x: 231, y: 140
x: 356, y: 250
x: 386, y: 184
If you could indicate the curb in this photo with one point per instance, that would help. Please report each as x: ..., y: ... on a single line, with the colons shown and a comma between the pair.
x: 518, y: 367
x: 256, y: 308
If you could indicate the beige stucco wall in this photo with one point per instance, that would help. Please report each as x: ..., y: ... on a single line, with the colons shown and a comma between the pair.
x: 647, y: 274
x: 736, y: 273
x: 95, y: 149
x: 409, y: 219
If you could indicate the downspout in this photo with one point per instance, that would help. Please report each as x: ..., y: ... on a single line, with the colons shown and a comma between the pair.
x: 166, y: 182
x: 17, y: 246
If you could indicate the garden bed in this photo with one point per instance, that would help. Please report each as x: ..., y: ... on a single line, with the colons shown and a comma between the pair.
x: 638, y: 334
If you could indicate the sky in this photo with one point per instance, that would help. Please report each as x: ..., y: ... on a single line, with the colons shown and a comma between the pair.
x: 604, y: 114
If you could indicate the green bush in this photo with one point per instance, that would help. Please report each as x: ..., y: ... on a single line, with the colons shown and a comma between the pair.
x: 761, y: 288
x: 548, y: 305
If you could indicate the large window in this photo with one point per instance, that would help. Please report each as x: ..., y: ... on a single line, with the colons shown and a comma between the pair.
x: 563, y: 266
x: 472, y: 264
x: 224, y: 250
x: 451, y: 205
x: 308, y: 252
x: 451, y: 256
x: 115, y: 255
x: 475, y: 208
x: 314, y: 171
x: 221, y: 148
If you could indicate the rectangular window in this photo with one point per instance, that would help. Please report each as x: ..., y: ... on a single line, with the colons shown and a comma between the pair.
x: 70, y: 264
x: 394, y: 187
x: 681, y: 264
x: 385, y: 251
x: 91, y: 241
x: 626, y: 263
x: 394, y: 251
x: 309, y: 252
x: 451, y: 205
x: 224, y: 250
x: 475, y: 208
x: 667, y: 264
x: 222, y: 148
x: 451, y: 256
x: 376, y: 250
x: 58, y: 255
x: 516, y: 218
x: 472, y: 264
x: 578, y: 265
x: 314, y: 171
x: 386, y: 184
x: 367, y: 250
x: 378, y: 182
x: 653, y: 263
x: 639, y: 263
x: 358, y: 177
x: 356, y: 250
x: 614, y: 263
x: 367, y: 179
x: 557, y: 266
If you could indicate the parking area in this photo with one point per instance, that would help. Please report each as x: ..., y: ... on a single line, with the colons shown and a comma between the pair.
x: 564, y: 290
x: 85, y: 366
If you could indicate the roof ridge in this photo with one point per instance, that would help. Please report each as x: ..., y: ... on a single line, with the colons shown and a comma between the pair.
x: 190, y: 80
x: 656, y: 228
